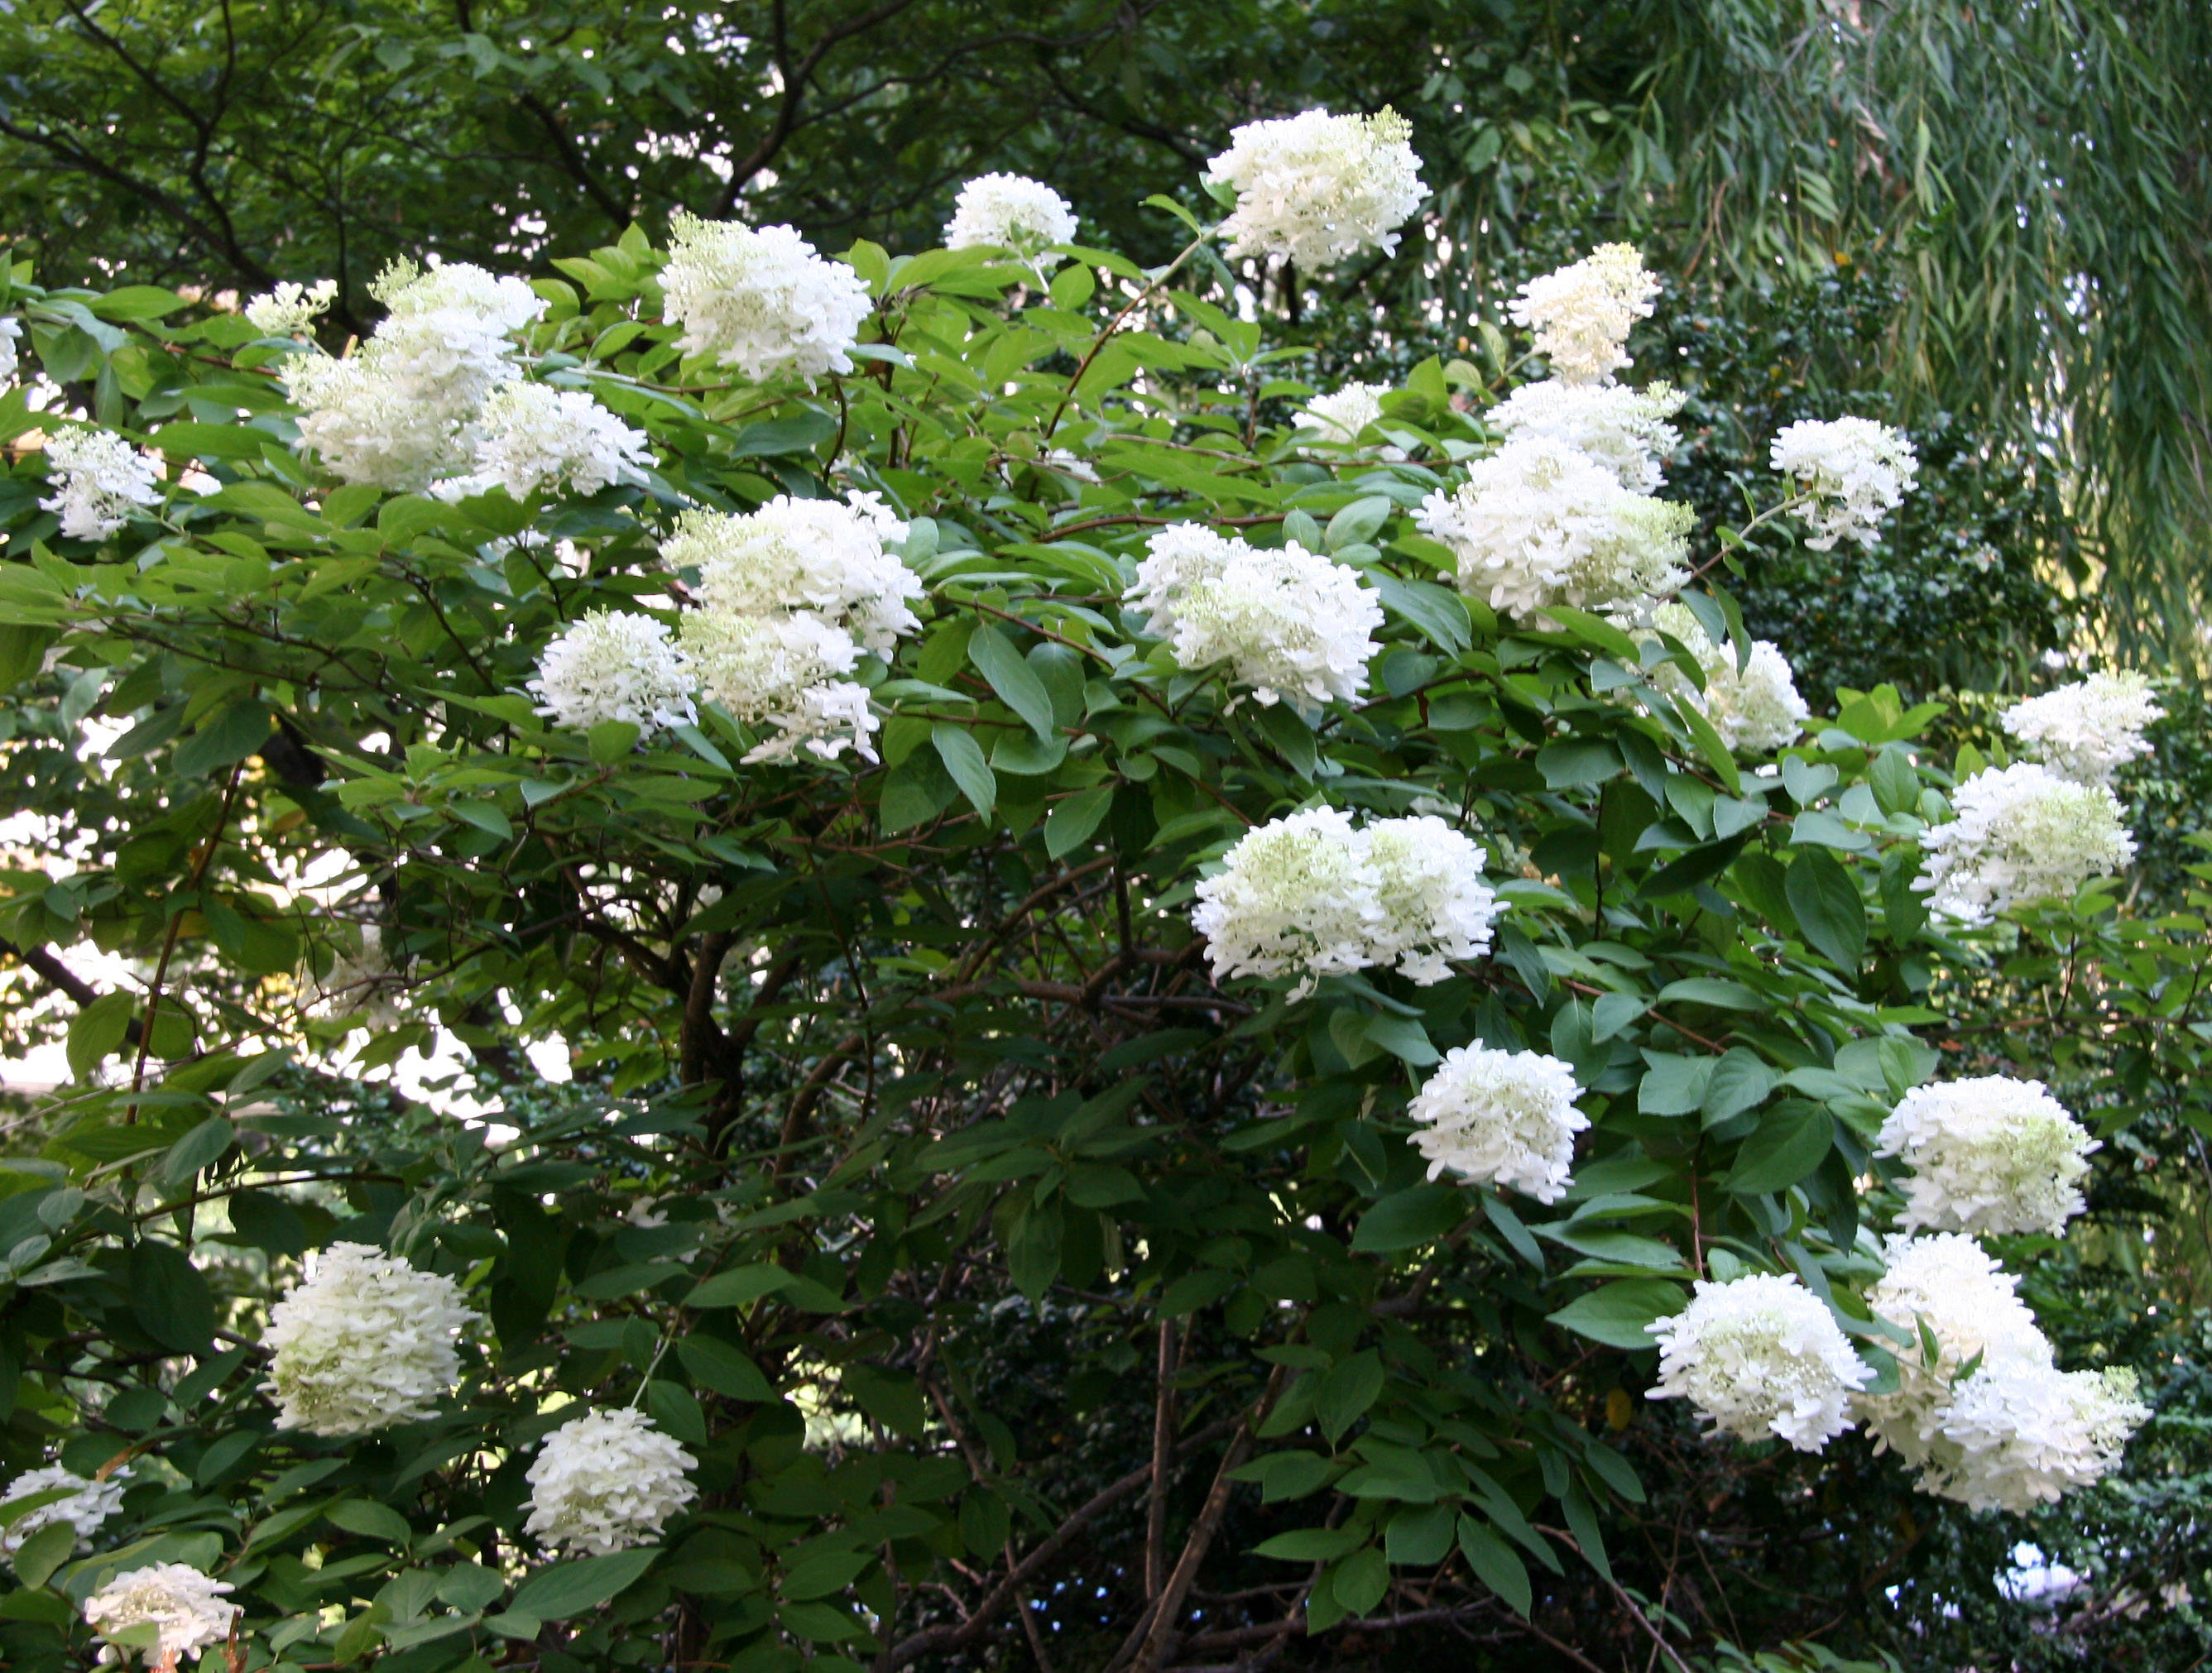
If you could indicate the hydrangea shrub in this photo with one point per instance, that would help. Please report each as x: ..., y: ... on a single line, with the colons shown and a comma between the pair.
x: 1012, y: 824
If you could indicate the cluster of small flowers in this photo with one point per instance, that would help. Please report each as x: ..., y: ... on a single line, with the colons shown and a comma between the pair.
x: 823, y: 557
x: 607, y: 1481
x: 1342, y: 417
x: 790, y: 597
x: 1856, y: 471
x: 291, y: 310
x: 367, y: 1342
x: 98, y: 479
x: 2088, y: 730
x: 1289, y: 623
x: 2022, y: 835
x: 1581, y: 313
x: 360, y: 987
x: 530, y: 435
x: 1539, y: 523
x: 1500, y: 1118
x: 1010, y: 212
x: 614, y: 665
x: 1755, y: 708
x: 11, y: 332
x: 400, y: 413
x: 759, y: 299
x: 1311, y: 895
x: 1988, y: 1153
x: 2018, y: 1432
x: 1762, y: 1356
x: 1624, y: 430
x: 89, y: 1504
x: 185, y: 1607
x: 1315, y: 188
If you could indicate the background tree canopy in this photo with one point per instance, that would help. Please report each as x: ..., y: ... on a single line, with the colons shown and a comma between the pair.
x: 2032, y: 176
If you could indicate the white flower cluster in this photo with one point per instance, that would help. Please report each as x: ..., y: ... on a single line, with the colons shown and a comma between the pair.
x: 1500, y: 1118
x: 89, y: 1504
x: 792, y: 595
x: 98, y: 479
x: 1010, y: 212
x: 1582, y: 314
x: 2018, y: 1434
x: 607, y: 1481
x: 2088, y: 730
x: 1624, y: 430
x: 760, y: 299
x: 1966, y: 1303
x: 530, y: 435
x: 786, y: 677
x: 612, y: 665
x: 1289, y: 623
x: 1762, y: 1356
x: 1178, y: 558
x: 1317, y: 188
x: 1755, y: 708
x: 824, y: 557
x: 1342, y: 417
x: 1310, y: 894
x: 365, y: 1342
x: 1539, y: 523
x: 364, y: 988
x: 401, y: 412
x: 1987, y: 1154
x: 291, y: 310
x: 2022, y: 835
x: 11, y: 331
x: 1856, y: 470
x: 185, y: 1607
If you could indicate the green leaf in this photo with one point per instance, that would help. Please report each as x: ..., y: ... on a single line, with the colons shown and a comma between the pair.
x: 1826, y: 902
x: 199, y: 1147
x: 676, y: 1409
x: 1403, y: 1038
x: 1361, y: 1581
x: 612, y: 741
x: 711, y: 1361
x: 1311, y: 1545
x: 569, y: 1588
x: 238, y: 732
x: 1739, y: 1082
x: 1596, y: 631
x: 1439, y: 613
x: 1357, y: 523
x: 169, y: 1298
x: 37, y: 1557
x: 1495, y: 1564
x: 1072, y: 821
x: 1409, y: 1218
x: 1788, y: 1146
x: 98, y: 1029
x: 371, y: 1520
x: 1347, y: 1393
x: 1616, y: 1314
x: 254, y: 945
x: 1674, y: 1084
x: 739, y: 1287
x: 964, y: 758
x: 1010, y: 676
